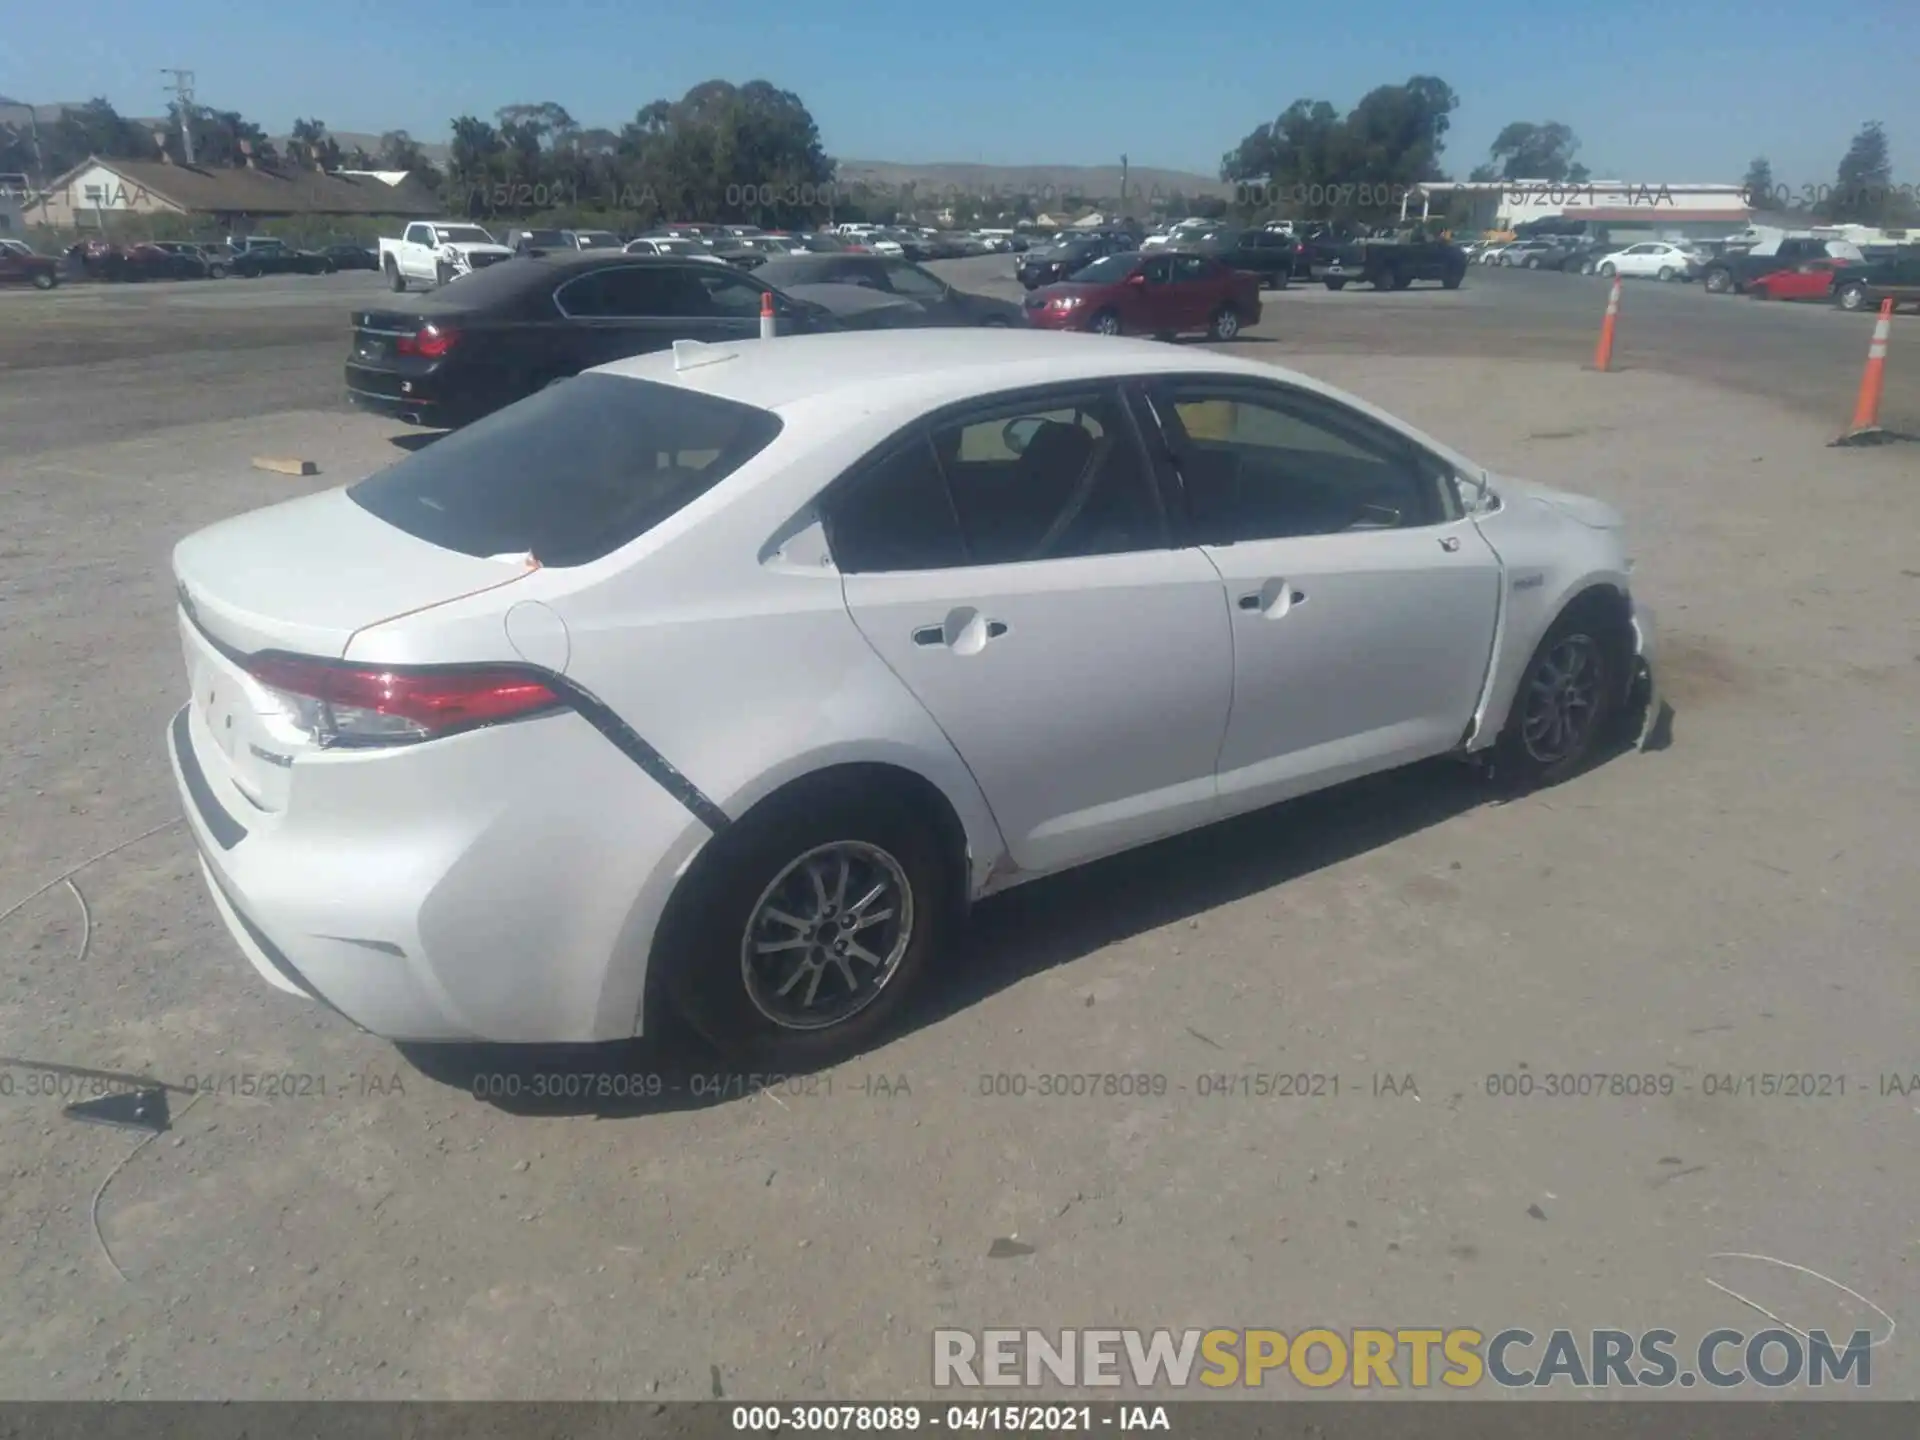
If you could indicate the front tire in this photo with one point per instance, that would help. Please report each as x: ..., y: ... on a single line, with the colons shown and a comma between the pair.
x: 1667, y: 273
x: 45, y: 282
x: 1107, y: 322
x: 1225, y: 324
x: 1386, y: 280
x: 1566, y: 703
x: 1607, y: 271
x: 216, y: 272
x: 810, y: 933
x: 1851, y: 297
x: 1533, y: 262
x: 1451, y: 281
x: 1336, y: 284
x: 1719, y: 282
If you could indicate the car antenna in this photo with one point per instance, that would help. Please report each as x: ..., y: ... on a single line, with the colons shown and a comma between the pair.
x: 692, y: 354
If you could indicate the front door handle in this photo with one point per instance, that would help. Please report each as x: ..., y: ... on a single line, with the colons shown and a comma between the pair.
x: 1276, y: 598
x: 965, y: 632
x: 930, y: 635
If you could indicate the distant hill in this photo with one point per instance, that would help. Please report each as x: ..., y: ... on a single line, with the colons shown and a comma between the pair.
x: 1044, y: 183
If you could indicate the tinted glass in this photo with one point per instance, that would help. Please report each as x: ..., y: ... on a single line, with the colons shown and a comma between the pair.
x: 622, y: 292
x: 896, y: 516
x: 1109, y: 271
x: 1192, y: 267
x: 1047, y: 483
x: 1271, y: 468
x: 726, y: 295
x: 915, y: 283
x: 569, y: 474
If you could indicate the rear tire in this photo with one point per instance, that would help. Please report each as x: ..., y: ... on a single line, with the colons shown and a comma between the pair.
x: 1402, y: 280
x: 1224, y: 325
x: 1719, y: 282
x: 1336, y: 284
x: 727, y: 988
x: 1451, y: 281
x: 1607, y: 270
x: 396, y: 282
x: 1666, y: 273
x: 1533, y: 262
x: 216, y: 272
x: 45, y: 282
x: 1386, y: 280
x: 1851, y: 298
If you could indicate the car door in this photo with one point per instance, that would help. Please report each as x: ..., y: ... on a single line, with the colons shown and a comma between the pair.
x: 1640, y: 260
x: 1363, y: 602
x: 1011, y: 564
x: 627, y: 310
x: 1192, y: 293
x: 1151, y: 305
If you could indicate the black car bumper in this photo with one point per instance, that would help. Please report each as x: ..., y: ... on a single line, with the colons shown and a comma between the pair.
x: 400, y: 397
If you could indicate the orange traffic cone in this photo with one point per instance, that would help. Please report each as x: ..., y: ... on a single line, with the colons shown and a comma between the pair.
x: 768, y: 326
x: 1866, y: 410
x: 1603, y: 352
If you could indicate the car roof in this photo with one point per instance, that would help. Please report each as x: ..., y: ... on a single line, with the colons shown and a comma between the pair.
x: 919, y: 370
x: 509, y: 279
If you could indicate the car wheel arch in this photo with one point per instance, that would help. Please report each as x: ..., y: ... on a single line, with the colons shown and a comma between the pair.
x: 871, y: 781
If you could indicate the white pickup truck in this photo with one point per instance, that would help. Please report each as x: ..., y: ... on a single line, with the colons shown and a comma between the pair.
x: 435, y: 251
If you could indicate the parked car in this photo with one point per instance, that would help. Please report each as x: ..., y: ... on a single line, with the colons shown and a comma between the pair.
x: 1864, y: 286
x: 200, y: 264
x: 943, y: 304
x: 1396, y: 264
x: 723, y: 681
x: 1191, y: 228
x: 1162, y: 293
x: 1809, y: 280
x: 1739, y: 265
x: 436, y: 252
x: 1525, y: 254
x: 277, y: 259
x: 20, y: 265
x: 1269, y: 254
x: 494, y: 336
x: 685, y: 249
x: 348, y: 255
x: 1650, y: 260
x: 1056, y: 262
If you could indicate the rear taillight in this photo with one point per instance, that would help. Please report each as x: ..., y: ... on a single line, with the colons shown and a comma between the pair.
x: 339, y: 704
x: 430, y: 342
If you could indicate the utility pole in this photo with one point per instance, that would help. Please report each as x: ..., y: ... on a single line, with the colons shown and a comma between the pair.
x: 1123, y: 184
x: 33, y: 136
x: 182, y: 91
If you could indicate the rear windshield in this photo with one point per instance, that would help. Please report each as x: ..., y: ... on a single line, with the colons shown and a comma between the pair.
x: 570, y: 474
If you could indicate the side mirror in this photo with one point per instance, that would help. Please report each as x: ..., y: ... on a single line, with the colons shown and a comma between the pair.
x: 1139, y: 277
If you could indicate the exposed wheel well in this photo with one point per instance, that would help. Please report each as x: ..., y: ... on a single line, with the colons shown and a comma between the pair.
x: 1613, y: 613
x: 868, y: 781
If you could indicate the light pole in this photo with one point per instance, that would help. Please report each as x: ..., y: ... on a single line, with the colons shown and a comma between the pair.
x: 182, y: 91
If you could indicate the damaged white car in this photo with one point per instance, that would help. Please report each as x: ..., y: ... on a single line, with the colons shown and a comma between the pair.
x: 723, y: 679
x: 432, y: 253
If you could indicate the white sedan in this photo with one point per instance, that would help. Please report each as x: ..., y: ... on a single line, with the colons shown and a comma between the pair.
x: 1651, y: 260
x: 669, y: 245
x: 724, y: 679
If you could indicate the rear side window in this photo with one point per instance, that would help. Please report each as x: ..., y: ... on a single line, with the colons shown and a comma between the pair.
x: 569, y: 474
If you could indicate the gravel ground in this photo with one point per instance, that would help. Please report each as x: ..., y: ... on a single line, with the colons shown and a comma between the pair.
x: 1741, y: 903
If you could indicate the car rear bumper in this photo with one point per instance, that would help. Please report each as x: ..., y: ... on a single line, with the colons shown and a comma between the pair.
x: 498, y: 886
x: 417, y: 399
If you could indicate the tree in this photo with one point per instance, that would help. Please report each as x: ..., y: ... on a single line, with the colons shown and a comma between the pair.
x: 94, y: 128
x: 1313, y: 160
x: 1863, y: 188
x: 400, y: 151
x: 1758, y: 186
x: 310, y: 144
x: 1525, y: 151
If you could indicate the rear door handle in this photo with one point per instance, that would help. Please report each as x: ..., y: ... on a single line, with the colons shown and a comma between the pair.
x: 930, y: 635
x: 1283, y: 598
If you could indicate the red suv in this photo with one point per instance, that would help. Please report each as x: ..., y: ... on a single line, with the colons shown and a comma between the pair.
x: 1158, y: 295
x: 20, y: 266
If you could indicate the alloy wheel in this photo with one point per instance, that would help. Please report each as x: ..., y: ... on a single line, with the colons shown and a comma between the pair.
x: 1562, y: 699
x: 826, y: 936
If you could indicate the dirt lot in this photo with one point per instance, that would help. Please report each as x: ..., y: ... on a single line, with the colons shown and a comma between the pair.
x: 1738, y: 904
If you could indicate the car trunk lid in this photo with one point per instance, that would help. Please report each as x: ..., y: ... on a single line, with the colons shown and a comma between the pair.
x: 303, y: 577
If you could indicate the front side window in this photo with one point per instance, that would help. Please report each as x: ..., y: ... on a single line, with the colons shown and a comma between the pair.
x: 1267, y: 465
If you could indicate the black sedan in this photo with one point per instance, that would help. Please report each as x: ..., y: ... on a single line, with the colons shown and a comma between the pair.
x: 942, y: 304
x: 352, y: 257
x: 497, y: 335
x: 1055, y: 263
x: 281, y: 260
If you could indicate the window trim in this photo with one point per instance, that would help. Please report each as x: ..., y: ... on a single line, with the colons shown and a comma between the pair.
x: 598, y: 272
x: 1025, y: 399
x: 1438, y: 475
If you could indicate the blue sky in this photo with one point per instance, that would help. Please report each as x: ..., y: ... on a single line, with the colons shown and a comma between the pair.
x: 1657, y: 93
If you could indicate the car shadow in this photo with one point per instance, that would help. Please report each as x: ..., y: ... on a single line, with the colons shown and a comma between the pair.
x: 1008, y: 938
x: 416, y: 440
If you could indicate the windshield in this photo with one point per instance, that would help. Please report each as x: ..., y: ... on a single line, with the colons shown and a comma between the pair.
x: 462, y: 235
x: 541, y: 239
x: 571, y: 473
x: 678, y: 247
x: 597, y: 240
x: 1108, y: 271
